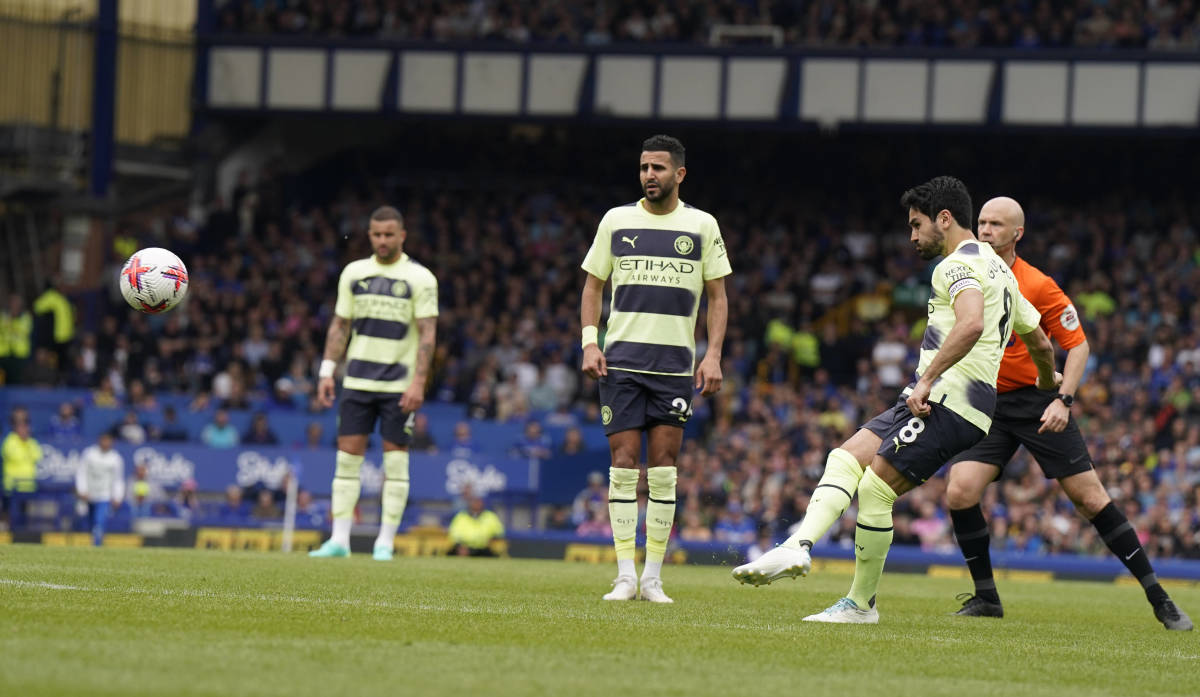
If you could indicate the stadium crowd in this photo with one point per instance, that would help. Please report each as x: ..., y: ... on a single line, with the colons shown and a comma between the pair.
x: 825, y: 317
x: 962, y: 24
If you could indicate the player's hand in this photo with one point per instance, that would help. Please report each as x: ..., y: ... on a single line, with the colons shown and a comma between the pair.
x: 1054, y: 419
x: 594, y: 365
x: 116, y: 505
x: 413, y: 398
x: 1058, y: 378
x: 709, y: 377
x: 918, y: 401
x: 325, y: 392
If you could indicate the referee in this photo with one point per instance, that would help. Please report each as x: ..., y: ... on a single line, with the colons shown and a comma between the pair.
x: 1042, y: 423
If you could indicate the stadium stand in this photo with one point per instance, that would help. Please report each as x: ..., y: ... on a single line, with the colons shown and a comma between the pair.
x: 1164, y: 26
x: 809, y: 313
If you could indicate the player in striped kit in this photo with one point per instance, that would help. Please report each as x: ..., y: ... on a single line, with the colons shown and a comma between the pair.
x: 379, y: 301
x: 660, y: 255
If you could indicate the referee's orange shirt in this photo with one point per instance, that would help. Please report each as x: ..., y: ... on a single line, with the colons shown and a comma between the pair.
x: 1059, y: 320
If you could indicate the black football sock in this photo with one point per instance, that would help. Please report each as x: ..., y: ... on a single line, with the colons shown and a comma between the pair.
x: 1118, y: 533
x: 971, y: 531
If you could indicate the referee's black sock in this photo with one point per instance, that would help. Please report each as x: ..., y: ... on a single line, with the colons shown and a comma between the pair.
x: 971, y: 531
x: 1118, y: 533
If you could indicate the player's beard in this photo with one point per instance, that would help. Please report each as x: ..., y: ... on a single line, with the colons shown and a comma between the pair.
x: 387, y: 257
x: 662, y: 193
x: 933, y: 249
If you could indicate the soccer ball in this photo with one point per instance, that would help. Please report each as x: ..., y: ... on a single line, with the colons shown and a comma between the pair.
x: 153, y: 280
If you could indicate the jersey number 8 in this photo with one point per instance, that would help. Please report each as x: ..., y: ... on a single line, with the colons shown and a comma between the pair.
x: 911, y: 430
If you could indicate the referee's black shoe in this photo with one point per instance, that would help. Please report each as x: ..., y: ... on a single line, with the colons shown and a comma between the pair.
x: 1172, y: 617
x: 974, y: 606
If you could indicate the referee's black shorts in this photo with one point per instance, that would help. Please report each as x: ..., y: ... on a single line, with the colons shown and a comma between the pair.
x: 1016, y: 422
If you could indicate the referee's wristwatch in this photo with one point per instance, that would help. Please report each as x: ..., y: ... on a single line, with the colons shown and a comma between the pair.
x: 1067, y: 399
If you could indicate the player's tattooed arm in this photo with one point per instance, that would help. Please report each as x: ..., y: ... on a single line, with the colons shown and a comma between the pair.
x: 426, y: 338
x: 335, y: 340
x: 414, y: 396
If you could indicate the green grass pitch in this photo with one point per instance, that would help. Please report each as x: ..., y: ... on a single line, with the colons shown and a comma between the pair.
x: 123, y: 622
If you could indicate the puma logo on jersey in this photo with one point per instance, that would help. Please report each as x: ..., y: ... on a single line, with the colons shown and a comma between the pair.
x: 364, y: 284
x: 632, y: 243
x: 898, y: 444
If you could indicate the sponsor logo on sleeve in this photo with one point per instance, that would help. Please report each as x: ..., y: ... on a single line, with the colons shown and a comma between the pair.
x: 1069, y: 319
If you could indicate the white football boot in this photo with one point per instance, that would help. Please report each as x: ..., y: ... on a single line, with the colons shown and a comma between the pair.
x: 652, y: 591
x: 624, y: 588
x: 846, y: 611
x: 780, y: 562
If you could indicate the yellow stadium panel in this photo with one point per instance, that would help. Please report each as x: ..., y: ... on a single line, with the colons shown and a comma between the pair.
x: 67, y: 539
x: 941, y: 571
x: 126, y: 540
x: 407, y: 545
x: 302, y: 540
x: 837, y: 566
x: 1020, y: 575
x: 585, y: 553
x: 214, y: 538
x: 253, y: 540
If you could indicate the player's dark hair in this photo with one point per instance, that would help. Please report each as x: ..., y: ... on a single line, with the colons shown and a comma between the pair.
x: 385, y: 213
x: 941, y: 194
x: 661, y: 143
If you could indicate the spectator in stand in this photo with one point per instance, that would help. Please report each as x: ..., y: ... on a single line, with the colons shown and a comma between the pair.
x: 310, y: 513
x: 560, y: 519
x: 761, y: 546
x: 694, y: 529
x: 170, y: 430
x: 43, y: 372
x: 464, y: 446
x: 735, y: 527
x: 220, y: 433
x: 596, y: 524
x: 595, y: 492
x: 100, y: 482
x: 422, y: 440
x: 66, y: 431
x: 260, y: 432
x: 264, y: 506
x: 534, y: 445
x: 129, y: 429
x: 472, y: 530
x: 233, y: 508
x: 186, y: 504
x: 105, y: 394
x: 314, y: 437
x: 573, y: 442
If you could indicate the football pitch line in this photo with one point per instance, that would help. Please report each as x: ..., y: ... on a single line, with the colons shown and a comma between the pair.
x: 142, y: 623
x: 402, y: 606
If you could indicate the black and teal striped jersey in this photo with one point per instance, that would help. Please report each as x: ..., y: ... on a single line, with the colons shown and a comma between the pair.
x: 383, y: 302
x: 658, y: 265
